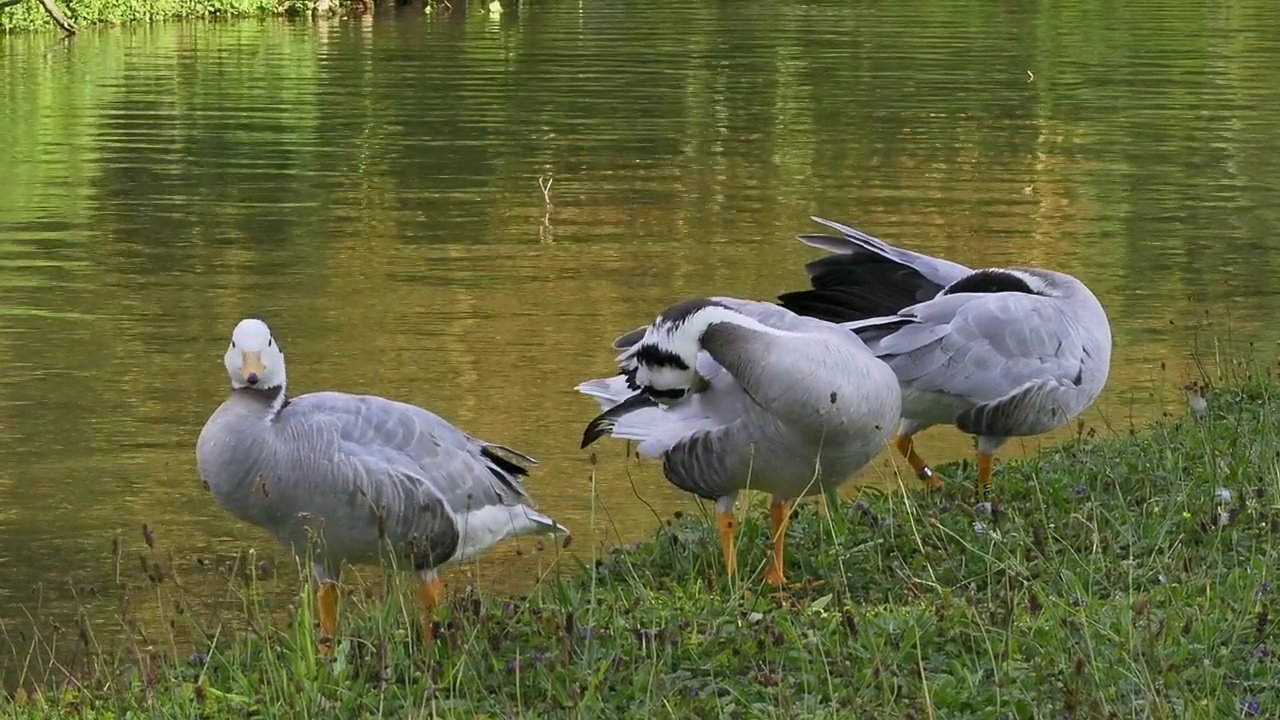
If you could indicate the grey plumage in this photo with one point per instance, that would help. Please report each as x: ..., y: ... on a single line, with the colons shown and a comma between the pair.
x: 370, y: 469
x: 747, y: 394
x: 999, y: 352
x: 364, y: 474
x: 1041, y: 358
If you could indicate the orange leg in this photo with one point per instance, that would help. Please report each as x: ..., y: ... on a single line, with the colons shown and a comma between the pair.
x: 779, y: 518
x: 728, y: 526
x: 906, y: 446
x: 984, y: 474
x: 327, y: 609
x: 430, y: 592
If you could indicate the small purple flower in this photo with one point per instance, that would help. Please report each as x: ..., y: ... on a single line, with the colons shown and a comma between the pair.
x: 1261, y: 652
x: 585, y: 632
x: 198, y: 659
x: 536, y: 657
x: 1249, y: 707
x: 693, y: 692
x: 1078, y: 492
x: 860, y: 505
x: 512, y: 666
x: 1263, y: 589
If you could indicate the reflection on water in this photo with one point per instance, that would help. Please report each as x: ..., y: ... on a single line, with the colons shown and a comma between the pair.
x: 371, y: 188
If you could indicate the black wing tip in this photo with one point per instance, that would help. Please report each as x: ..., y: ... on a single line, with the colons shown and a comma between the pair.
x: 836, y: 306
x: 846, y: 230
x: 596, y: 429
x: 503, y: 464
x: 806, y: 237
x: 994, y: 419
x: 834, y: 225
x: 852, y: 240
x: 680, y: 312
x: 604, y: 423
x: 858, y: 286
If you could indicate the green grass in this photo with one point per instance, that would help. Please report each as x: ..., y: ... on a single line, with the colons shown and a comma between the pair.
x: 1112, y: 579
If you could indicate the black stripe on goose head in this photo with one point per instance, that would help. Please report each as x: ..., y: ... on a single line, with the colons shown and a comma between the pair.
x: 655, y: 356
x: 655, y: 393
x: 629, y: 373
x: 648, y: 352
x: 661, y: 365
x: 995, y: 280
x: 656, y: 359
x: 680, y: 312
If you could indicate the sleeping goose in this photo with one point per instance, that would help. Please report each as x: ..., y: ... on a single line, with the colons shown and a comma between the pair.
x: 998, y: 352
x: 362, y: 471
x: 735, y: 394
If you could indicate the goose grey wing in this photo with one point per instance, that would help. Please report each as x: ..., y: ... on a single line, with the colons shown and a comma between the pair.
x: 709, y: 463
x: 790, y: 375
x: 987, y: 348
x: 770, y: 314
x: 390, y: 439
x: 938, y: 270
x: 865, y: 277
x: 773, y: 315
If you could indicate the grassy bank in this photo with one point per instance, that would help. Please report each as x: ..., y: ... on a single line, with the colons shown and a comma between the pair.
x: 1123, y: 577
x: 29, y: 15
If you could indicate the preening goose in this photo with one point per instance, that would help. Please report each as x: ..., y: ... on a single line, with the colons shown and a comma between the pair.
x: 365, y: 473
x: 735, y: 394
x: 998, y: 352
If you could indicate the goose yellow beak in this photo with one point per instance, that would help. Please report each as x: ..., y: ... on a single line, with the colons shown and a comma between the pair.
x: 251, y: 367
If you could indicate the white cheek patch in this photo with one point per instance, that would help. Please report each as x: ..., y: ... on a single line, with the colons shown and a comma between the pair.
x: 664, y: 378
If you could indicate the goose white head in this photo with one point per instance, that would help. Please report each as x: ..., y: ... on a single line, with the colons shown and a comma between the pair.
x: 254, y: 359
x: 664, y: 363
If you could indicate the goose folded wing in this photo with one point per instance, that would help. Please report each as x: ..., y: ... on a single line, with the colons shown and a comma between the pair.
x: 780, y: 371
x: 773, y: 315
x: 939, y: 271
x: 985, y: 347
x: 770, y: 314
x: 709, y: 463
x: 386, y: 439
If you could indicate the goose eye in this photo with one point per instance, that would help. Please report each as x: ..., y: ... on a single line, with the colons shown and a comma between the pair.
x: 271, y: 341
x: 233, y: 344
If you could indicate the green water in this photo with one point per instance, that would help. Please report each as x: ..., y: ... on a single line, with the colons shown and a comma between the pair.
x: 371, y: 188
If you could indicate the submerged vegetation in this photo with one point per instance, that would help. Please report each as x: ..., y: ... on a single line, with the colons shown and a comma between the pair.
x: 1121, y: 577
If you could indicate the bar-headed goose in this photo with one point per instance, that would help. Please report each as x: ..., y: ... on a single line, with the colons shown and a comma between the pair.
x: 365, y: 473
x: 735, y: 394
x: 998, y: 352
